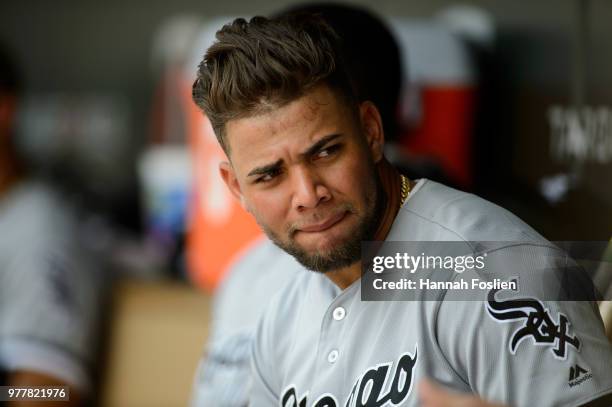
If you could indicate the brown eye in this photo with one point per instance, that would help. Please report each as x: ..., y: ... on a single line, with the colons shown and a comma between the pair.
x: 265, y: 178
x: 328, y: 151
x: 268, y: 177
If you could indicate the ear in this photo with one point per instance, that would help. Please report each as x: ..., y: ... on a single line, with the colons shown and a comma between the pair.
x: 229, y: 177
x: 372, y: 125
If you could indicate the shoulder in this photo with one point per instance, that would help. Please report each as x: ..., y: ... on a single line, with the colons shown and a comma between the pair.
x: 36, y: 214
x: 438, y: 212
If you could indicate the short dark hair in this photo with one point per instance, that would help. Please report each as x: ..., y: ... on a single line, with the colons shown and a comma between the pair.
x: 263, y: 64
x: 371, y: 55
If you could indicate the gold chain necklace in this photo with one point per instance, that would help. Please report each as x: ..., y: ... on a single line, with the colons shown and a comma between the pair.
x: 405, y: 189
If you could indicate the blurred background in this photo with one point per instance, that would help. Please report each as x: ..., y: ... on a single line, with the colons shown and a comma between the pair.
x: 509, y: 99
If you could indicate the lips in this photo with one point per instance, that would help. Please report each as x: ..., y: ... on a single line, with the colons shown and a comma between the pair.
x: 320, y: 227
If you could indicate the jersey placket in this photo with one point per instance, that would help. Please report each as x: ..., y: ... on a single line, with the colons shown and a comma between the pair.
x: 331, y: 366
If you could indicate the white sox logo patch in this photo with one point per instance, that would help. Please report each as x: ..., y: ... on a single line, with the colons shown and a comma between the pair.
x: 537, y: 324
x: 371, y: 389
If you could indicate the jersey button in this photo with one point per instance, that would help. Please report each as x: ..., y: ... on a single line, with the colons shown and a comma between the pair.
x: 339, y: 314
x: 333, y: 356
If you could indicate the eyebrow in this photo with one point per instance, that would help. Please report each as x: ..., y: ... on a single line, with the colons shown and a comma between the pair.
x: 266, y: 169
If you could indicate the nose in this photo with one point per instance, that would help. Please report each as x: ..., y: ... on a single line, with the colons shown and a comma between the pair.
x: 308, y: 190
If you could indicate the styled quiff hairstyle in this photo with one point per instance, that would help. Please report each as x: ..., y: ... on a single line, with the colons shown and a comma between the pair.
x: 260, y: 65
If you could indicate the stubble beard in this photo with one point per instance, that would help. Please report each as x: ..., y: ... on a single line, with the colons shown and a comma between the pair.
x: 349, y: 251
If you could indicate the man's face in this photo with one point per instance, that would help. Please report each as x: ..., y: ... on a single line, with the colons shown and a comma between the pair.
x: 306, y: 171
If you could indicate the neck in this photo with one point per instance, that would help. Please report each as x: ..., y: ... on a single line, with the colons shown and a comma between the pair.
x: 390, y: 190
x: 346, y: 276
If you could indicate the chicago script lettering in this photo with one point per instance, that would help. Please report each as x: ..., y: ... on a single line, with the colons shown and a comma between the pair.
x: 376, y: 387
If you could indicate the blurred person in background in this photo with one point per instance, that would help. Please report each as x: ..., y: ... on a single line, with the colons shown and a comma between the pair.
x: 50, y: 290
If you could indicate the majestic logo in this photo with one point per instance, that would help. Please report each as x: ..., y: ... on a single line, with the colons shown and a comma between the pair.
x: 371, y: 389
x: 537, y: 324
x: 577, y: 375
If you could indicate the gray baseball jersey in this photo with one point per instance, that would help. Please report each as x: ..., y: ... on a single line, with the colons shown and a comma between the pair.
x: 320, y: 346
x: 49, y: 290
